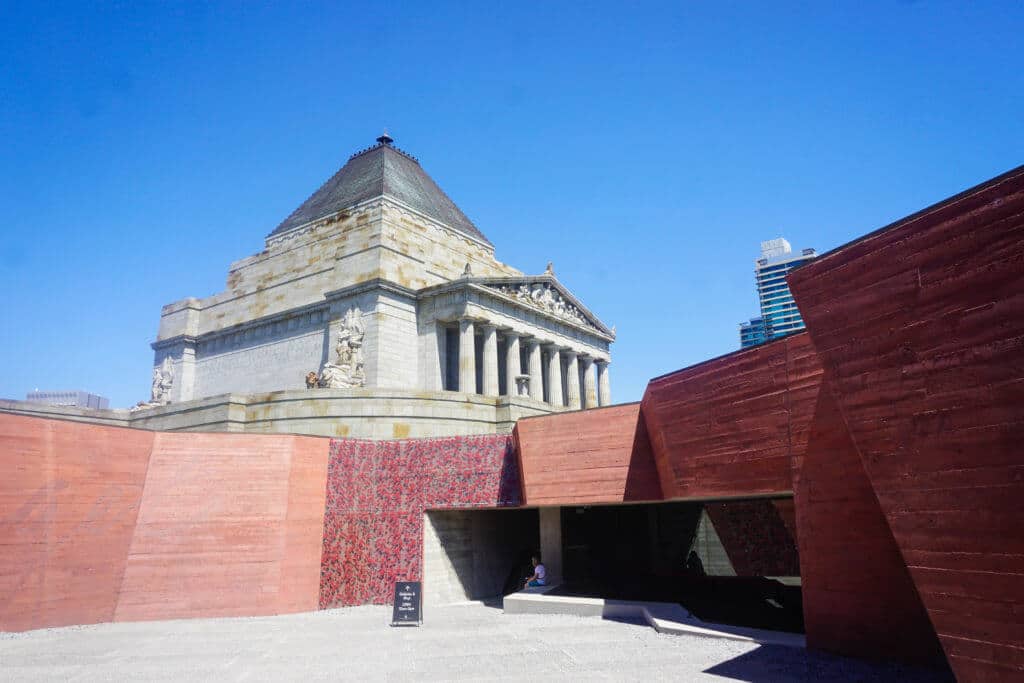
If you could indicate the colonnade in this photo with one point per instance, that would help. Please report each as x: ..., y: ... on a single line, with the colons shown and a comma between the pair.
x: 538, y: 373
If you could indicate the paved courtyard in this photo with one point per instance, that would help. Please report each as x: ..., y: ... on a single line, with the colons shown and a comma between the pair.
x: 464, y: 642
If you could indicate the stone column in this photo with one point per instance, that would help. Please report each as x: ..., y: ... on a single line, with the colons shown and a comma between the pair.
x: 536, y: 373
x: 551, y: 543
x: 555, y: 376
x: 512, y: 362
x: 490, y: 374
x: 467, y: 356
x: 572, y: 376
x: 589, y: 383
x: 604, y: 388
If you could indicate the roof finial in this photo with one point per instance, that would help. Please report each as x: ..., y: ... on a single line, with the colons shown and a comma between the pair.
x: 385, y: 139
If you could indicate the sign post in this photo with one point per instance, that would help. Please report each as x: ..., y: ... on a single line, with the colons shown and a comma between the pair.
x: 408, y: 604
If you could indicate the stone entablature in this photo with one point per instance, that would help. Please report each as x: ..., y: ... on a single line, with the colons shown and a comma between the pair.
x: 485, y: 303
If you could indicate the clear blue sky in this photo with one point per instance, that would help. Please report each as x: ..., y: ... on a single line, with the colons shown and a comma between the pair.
x: 646, y: 150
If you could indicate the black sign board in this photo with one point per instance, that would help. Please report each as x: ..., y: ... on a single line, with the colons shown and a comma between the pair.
x: 408, y: 603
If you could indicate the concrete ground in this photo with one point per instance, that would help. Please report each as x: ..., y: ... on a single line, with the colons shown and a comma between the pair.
x: 463, y: 642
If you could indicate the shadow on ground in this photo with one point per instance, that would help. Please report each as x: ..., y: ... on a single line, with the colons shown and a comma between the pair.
x: 775, y: 664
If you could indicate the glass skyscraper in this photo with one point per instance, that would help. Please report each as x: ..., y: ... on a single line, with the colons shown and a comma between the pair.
x: 778, y: 310
x: 752, y: 333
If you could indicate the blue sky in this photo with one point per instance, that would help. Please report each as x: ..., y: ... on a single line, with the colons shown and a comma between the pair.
x: 646, y: 149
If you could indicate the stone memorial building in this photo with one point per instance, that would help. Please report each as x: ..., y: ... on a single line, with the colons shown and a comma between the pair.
x: 378, y: 288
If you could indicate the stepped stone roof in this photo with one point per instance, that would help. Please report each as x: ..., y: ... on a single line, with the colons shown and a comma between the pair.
x: 378, y: 171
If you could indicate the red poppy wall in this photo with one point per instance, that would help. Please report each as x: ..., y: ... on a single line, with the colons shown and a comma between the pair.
x: 377, y: 492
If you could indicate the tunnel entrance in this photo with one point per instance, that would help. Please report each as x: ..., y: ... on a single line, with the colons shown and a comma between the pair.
x: 731, y: 562
x: 476, y: 554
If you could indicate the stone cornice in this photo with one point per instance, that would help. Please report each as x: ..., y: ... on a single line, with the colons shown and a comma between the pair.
x: 491, y: 287
x: 172, y: 341
x: 370, y: 285
x: 241, y: 327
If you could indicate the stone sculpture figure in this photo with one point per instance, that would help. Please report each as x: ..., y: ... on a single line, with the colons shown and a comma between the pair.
x: 163, y: 380
x: 347, y: 370
x: 547, y: 298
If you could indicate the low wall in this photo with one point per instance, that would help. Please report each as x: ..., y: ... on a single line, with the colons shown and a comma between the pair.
x: 69, y: 497
x: 103, y: 523
x: 352, y: 413
x: 229, y: 525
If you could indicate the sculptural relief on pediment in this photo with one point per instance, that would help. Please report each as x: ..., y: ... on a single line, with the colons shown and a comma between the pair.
x: 545, y: 297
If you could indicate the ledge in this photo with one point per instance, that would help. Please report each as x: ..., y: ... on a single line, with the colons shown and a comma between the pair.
x: 663, y: 617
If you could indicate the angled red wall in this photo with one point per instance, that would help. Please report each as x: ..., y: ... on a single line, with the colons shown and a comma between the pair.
x: 229, y: 525
x: 103, y: 523
x: 587, y: 456
x: 920, y: 328
x: 729, y: 427
x: 69, y: 495
x: 858, y: 596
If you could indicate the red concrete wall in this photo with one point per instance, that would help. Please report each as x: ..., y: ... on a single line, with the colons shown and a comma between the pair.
x: 858, y: 596
x: 755, y: 538
x: 377, y: 493
x: 230, y: 525
x: 102, y: 523
x: 920, y: 328
x: 729, y: 427
x: 69, y: 495
x: 589, y: 456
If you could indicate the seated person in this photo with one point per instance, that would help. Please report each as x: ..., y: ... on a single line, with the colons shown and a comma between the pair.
x: 540, y: 574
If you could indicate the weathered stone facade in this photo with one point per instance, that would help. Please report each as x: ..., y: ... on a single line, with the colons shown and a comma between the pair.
x: 382, y: 294
x: 376, y: 310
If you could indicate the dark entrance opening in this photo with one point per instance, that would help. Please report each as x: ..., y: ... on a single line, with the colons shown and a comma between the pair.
x: 730, y: 562
x: 476, y: 554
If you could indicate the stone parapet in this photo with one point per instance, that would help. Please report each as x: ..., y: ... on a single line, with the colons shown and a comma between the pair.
x: 355, y: 413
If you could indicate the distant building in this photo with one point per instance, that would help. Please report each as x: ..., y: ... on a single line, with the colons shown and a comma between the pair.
x: 778, y: 310
x: 753, y: 333
x: 76, y: 399
x: 779, y: 314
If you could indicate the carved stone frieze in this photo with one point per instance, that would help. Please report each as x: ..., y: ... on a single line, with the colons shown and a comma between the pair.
x: 545, y: 297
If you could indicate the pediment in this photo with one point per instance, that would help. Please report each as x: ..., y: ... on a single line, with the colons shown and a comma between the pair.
x: 546, y: 294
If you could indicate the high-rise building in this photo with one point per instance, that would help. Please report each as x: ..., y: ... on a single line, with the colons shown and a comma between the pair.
x: 76, y: 399
x: 752, y: 333
x: 778, y: 310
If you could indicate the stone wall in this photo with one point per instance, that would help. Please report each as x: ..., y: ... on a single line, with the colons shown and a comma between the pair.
x: 272, y: 357
x: 708, y: 546
x: 355, y: 413
x: 417, y: 252
x: 377, y: 240
x: 468, y: 554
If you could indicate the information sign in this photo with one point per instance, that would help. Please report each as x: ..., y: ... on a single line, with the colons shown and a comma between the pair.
x: 408, y: 604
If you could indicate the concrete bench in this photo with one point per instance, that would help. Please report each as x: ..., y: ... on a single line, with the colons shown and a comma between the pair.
x: 663, y: 617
